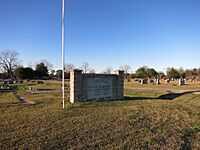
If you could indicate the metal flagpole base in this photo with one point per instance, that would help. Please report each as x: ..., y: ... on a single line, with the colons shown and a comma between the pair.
x: 63, y: 103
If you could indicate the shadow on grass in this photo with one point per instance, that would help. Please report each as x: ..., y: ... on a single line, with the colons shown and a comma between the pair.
x: 168, y: 96
x: 119, y: 102
x: 9, y: 104
x: 136, y: 98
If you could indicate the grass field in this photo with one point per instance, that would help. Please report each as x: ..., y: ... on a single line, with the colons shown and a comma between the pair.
x: 144, y: 120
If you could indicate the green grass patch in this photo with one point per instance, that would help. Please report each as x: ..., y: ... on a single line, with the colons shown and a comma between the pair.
x: 195, y: 128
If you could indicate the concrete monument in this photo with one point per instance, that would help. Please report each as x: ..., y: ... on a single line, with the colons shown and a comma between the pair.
x: 95, y: 87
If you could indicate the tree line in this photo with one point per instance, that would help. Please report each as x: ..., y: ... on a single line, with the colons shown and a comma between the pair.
x: 11, y: 68
x: 171, y: 73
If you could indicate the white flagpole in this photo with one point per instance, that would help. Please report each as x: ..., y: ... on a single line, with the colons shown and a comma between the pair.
x: 63, y: 53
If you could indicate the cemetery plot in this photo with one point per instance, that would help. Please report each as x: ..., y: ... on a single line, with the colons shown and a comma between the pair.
x: 142, y: 120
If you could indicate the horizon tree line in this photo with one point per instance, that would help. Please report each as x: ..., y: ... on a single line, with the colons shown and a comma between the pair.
x: 11, y: 68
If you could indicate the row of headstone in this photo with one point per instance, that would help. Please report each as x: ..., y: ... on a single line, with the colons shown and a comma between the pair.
x: 7, y: 87
x: 12, y: 81
x: 180, y: 83
x: 8, y: 82
x: 145, y: 81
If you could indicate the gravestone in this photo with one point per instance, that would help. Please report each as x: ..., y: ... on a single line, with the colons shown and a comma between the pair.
x: 143, y: 81
x: 158, y: 81
x: 181, y: 82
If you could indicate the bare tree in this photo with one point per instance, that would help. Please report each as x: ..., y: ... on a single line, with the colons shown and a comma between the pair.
x: 9, y: 61
x: 125, y: 68
x: 68, y: 67
x: 85, y: 67
x: 108, y: 70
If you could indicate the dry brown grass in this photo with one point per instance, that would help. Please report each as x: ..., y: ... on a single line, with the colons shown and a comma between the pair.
x: 136, y: 124
x: 142, y: 121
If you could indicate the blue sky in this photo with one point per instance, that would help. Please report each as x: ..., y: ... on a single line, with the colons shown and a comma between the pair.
x: 156, y: 33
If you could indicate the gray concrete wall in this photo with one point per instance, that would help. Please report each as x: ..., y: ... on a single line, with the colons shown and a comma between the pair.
x: 95, y: 87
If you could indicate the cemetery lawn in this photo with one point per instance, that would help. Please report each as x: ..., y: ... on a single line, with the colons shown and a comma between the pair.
x: 173, y: 85
x: 144, y: 120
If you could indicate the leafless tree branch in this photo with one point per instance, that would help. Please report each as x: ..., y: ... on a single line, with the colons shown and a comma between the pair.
x: 9, y: 60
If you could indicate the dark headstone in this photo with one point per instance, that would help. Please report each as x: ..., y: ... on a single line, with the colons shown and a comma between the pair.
x: 143, y: 81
